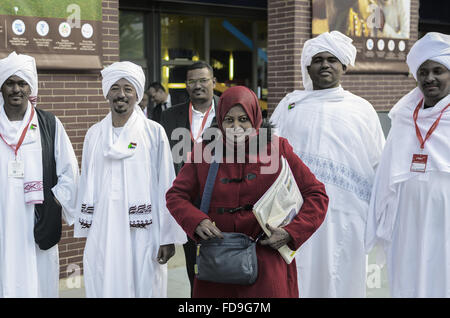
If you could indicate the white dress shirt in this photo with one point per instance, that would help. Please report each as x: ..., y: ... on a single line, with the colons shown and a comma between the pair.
x: 197, y: 119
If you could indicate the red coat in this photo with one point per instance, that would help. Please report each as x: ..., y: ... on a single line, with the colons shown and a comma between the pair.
x: 275, y: 277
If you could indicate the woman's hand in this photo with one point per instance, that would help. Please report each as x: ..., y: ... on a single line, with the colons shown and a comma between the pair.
x: 208, y: 230
x: 278, y: 238
x: 165, y: 252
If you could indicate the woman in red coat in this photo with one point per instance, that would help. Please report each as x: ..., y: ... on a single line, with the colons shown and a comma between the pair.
x: 237, y: 187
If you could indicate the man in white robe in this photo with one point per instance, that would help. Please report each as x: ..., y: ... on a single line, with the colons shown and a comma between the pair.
x: 126, y: 170
x: 29, y: 261
x: 339, y: 137
x: 410, y: 205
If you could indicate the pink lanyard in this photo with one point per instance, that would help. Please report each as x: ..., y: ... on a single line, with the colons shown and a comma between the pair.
x: 203, y: 122
x: 22, y: 137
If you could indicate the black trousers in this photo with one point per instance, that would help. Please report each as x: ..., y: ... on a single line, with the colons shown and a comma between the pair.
x: 189, y: 254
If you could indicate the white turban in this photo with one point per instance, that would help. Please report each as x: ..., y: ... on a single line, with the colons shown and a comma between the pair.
x: 432, y: 46
x: 131, y: 72
x: 23, y: 66
x: 335, y: 43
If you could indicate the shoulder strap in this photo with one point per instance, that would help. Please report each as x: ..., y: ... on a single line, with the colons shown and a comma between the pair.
x: 209, y: 186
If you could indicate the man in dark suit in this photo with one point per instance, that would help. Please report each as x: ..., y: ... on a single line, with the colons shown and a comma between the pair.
x: 143, y: 104
x: 160, y: 99
x: 196, y: 114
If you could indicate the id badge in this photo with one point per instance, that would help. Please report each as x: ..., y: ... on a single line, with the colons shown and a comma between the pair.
x: 419, y: 163
x: 15, y: 169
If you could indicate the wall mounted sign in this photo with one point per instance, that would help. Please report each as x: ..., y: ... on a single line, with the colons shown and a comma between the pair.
x: 60, y: 34
x: 380, y: 30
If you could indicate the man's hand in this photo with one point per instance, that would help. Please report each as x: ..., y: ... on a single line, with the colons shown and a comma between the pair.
x: 207, y: 230
x: 278, y: 238
x: 165, y: 252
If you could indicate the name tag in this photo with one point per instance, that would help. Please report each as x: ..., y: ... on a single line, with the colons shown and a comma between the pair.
x: 419, y: 163
x: 15, y: 169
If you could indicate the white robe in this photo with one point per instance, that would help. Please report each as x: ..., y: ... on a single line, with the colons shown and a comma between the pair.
x: 418, y: 258
x: 409, y: 211
x: 25, y: 269
x: 119, y: 260
x: 339, y: 137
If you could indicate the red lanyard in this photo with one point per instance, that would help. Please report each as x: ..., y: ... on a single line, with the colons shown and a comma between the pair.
x: 205, y: 118
x: 432, y: 128
x: 22, y: 137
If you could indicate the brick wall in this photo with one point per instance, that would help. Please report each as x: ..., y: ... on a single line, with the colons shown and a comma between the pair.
x: 77, y: 100
x: 289, y: 26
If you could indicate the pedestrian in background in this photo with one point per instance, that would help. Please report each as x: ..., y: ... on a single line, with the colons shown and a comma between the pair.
x: 195, y: 115
x: 160, y: 99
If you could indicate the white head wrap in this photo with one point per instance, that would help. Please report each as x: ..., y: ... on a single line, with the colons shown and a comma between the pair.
x: 334, y: 42
x: 23, y: 66
x: 127, y: 70
x: 432, y: 46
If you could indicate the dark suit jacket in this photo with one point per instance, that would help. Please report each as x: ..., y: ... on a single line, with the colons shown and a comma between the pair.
x: 155, y: 113
x: 175, y: 99
x: 178, y: 116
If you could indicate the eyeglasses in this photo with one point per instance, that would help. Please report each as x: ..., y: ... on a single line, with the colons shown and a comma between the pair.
x: 202, y: 81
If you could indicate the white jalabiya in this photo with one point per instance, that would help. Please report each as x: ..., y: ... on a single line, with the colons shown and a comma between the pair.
x: 339, y: 137
x: 26, y: 270
x: 408, y: 213
x: 118, y: 144
x: 24, y: 66
x: 119, y: 260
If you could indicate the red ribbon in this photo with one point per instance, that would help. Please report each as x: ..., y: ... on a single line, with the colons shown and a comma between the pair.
x: 22, y: 136
x: 432, y: 128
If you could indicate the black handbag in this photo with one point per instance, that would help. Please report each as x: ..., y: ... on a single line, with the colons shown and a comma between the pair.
x: 231, y: 260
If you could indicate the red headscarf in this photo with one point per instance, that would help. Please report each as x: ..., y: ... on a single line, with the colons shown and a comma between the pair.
x: 246, y: 98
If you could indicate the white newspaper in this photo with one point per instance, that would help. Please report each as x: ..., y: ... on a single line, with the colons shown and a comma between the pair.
x: 279, y: 205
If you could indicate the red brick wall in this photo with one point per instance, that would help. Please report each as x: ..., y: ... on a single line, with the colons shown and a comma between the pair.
x: 289, y: 26
x: 77, y: 100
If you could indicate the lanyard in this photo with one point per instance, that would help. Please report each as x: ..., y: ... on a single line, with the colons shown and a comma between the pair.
x: 432, y: 128
x: 22, y: 137
x: 205, y: 118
